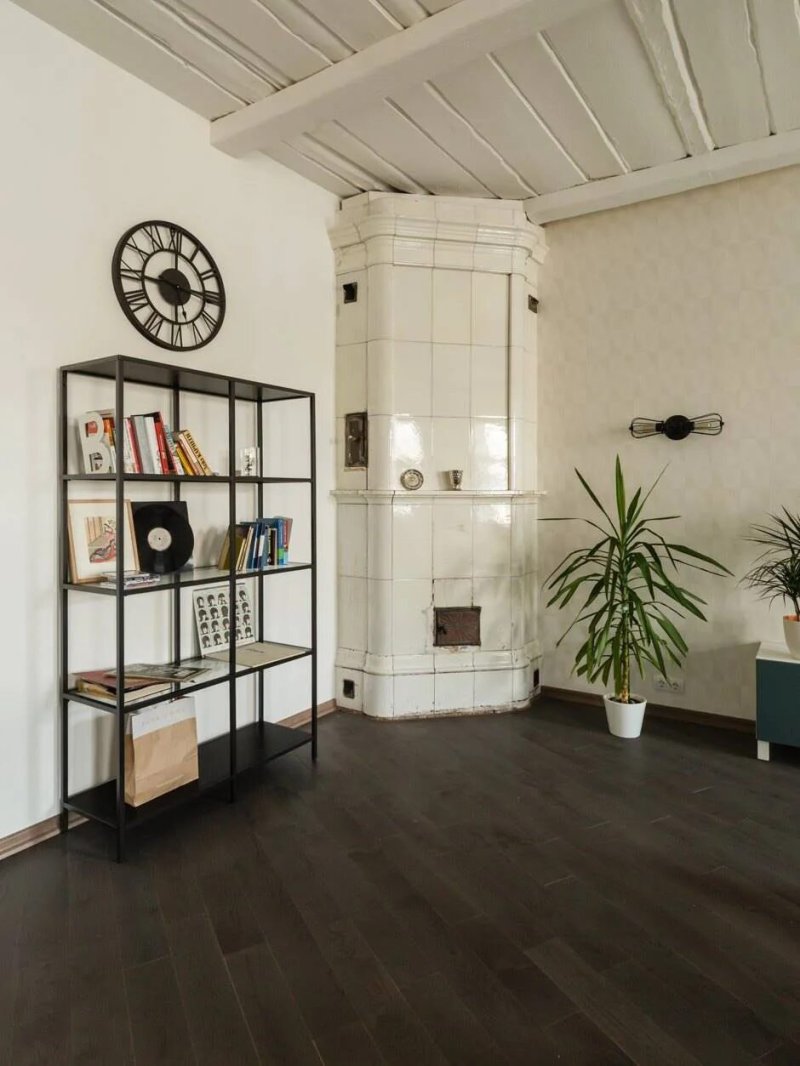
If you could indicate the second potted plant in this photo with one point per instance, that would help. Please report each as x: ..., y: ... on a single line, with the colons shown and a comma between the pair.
x: 776, y: 572
x: 630, y: 599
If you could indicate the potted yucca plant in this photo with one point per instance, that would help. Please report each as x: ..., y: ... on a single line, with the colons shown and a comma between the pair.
x: 776, y: 572
x: 631, y: 599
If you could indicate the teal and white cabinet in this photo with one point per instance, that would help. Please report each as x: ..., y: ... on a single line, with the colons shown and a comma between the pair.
x: 777, y: 698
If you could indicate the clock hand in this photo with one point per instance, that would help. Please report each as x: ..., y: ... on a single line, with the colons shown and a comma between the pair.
x: 174, y: 285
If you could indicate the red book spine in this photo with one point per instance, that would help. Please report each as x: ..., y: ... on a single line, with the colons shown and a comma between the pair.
x: 163, y: 455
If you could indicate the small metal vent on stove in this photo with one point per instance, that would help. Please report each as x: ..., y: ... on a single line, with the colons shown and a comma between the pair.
x: 456, y: 626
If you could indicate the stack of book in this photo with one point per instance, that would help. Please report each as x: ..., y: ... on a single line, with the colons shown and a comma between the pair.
x: 131, y: 579
x: 263, y: 542
x: 149, y: 446
x: 140, y: 682
x: 102, y: 685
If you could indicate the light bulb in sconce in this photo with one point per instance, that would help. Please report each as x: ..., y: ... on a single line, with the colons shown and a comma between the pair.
x: 455, y: 478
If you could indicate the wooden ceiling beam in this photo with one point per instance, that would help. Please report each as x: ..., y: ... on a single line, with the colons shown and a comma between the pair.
x: 694, y: 172
x: 452, y: 37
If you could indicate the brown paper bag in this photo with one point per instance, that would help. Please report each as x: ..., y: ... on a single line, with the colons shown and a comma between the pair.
x: 160, y: 750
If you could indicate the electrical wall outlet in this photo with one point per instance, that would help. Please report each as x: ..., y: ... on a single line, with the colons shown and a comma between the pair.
x: 673, y: 685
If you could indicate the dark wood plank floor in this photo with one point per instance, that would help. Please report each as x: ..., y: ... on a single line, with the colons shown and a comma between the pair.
x: 519, y: 890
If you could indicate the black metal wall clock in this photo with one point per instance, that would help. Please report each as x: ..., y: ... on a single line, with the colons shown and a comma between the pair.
x: 168, y: 285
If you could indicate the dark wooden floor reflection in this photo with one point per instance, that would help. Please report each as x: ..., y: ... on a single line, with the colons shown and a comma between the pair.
x: 520, y: 889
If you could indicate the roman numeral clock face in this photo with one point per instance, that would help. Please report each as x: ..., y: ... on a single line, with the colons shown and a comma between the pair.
x: 168, y: 285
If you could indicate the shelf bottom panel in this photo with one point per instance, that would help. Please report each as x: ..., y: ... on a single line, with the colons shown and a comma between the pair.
x: 255, y: 745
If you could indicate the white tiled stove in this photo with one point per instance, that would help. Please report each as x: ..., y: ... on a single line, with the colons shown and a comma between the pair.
x: 440, y: 349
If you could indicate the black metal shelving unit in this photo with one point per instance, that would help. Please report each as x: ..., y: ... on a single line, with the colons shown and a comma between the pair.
x: 242, y: 747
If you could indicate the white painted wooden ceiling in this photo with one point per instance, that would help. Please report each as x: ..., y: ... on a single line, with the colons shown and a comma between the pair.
x: 618, y: 88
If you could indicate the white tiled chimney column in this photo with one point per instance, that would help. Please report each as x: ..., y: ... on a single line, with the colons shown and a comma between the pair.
x: 440, y: 349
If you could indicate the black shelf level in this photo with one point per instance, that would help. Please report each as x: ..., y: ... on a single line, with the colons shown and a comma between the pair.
x: 256, y: 744
x: 241, y: 747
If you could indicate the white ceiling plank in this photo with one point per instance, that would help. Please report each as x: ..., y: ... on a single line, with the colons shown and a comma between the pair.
x: 724, y: 59
x: 227, y: 62
x: 604, y: 56
x: 407, y: 12
x: 305, y: 26
x: 655, y: 23
x: 484, y: 97
x: 438, y: 5
x: 113, y: 39
x: 267, y: 35
x: 314, y: 171
x: 450, y: 39
x: 358, y: 22
x: 313, y: 149
x: 539, y: 76
x: 441, y: 121
x: 347, y: 144
x: 693, y: 172
x: 777, y: 33
x: 398, y: 140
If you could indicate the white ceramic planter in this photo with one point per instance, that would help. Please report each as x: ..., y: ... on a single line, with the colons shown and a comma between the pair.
x: 625, y: 719
x: 791, y: 632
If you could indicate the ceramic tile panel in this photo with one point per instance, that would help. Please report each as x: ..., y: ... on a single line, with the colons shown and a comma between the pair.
x: 489, y: 378
x: 412, y: 372
x: 351, y: 378
x: 351, y: 539
x: 452, y: 380
x: 452, y: 303
x: 494, y: 688
x: 380, y: 617
x: 490, y: 309
x: 489, y: 468
x: 452, y: 592
x: 413, y: 694
x: 493, y: 596
x: 454, y: 691
x: 413, y: 617
x: 452, y: 539
x: 379, y: 695
x: 412, y: 539
x: 412, y: 294
x: 352, y: 613
x: 380, y: 303
x: 491, y: 531
x: 380, y: 377
x: 379, y: 539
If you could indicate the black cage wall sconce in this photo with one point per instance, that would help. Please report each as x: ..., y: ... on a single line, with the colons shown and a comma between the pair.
x: 678, y: 427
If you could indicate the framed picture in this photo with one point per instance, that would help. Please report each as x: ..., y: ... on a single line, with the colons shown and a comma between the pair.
x: 92, y: 527
x: 212, y: 618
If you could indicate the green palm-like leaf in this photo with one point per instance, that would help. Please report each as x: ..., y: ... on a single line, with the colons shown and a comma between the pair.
x: 628, y: 587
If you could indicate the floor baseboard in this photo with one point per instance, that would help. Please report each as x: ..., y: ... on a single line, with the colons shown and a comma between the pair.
x: 658, y: 710
x: 37, y: 834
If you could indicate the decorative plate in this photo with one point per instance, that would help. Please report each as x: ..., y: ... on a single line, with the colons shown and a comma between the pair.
x: 411, y: 480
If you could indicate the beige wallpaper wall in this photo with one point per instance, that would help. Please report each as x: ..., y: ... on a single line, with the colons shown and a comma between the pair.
x: 679, y: 306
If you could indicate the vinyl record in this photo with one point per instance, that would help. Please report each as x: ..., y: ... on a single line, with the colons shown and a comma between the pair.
x: 164, y: 537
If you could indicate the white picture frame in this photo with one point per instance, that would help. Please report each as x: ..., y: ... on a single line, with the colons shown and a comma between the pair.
x: 91, y: 530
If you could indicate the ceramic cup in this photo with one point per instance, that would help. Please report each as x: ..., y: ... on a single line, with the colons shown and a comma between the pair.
x: 455, y: 477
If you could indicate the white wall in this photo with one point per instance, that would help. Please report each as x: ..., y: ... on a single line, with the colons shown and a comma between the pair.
x: 682, y: 305
x: 87, y: 152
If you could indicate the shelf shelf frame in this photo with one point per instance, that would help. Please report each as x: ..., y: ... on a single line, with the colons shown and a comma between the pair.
x: 120, y: 370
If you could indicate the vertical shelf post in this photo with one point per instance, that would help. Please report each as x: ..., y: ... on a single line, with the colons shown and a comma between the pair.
x: 63, y: 626
x: 232, y: 606
x: 313, y: 488
x: 260, y: 514
x: 120, y: 534
x: 177, y: 656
